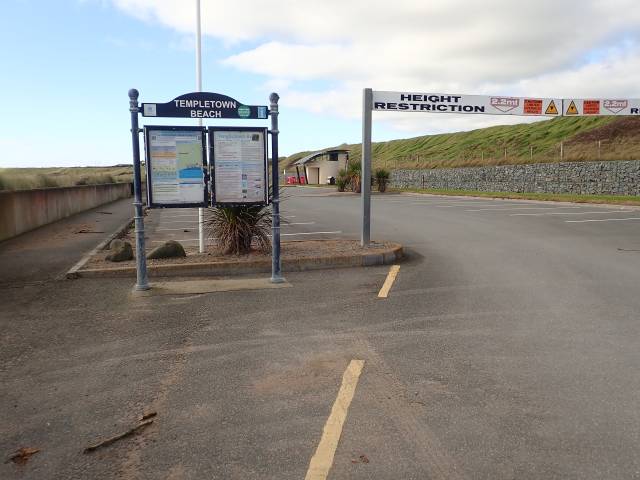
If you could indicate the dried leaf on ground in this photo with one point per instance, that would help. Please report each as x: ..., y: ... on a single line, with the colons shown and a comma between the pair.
x: 22, y: 455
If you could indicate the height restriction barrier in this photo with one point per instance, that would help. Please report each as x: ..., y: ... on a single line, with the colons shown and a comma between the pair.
x: 383, y: 101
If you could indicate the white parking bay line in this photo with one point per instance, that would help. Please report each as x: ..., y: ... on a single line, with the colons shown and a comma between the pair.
x: 183, y: 240
x: 604, y: 220
x: 515, y: 208
x: 171, y: 229
x: 467, y: 204
x: 178, y: 221
x: 309, y: 233
x: 282, y: 235
x: 600, y: 212
x: 504, y: 205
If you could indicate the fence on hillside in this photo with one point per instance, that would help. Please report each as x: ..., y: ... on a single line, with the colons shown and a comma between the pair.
x: 598, y: 150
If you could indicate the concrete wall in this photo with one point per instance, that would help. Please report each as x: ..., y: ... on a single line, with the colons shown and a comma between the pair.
x: 24, y: 210
x: 594, y: 178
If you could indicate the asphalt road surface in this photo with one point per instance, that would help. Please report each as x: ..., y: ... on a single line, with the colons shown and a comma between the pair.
x: 508, y: 348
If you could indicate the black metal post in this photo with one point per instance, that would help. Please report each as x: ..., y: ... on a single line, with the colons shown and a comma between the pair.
x: 276, y: 274
x: 141, y: 259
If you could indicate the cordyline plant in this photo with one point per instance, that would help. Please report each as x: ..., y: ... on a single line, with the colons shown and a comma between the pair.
x: 235, y: 229
x: 354, y: 173
x: 382, y: 177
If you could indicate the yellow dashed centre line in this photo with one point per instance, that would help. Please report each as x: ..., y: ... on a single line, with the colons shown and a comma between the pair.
x: 388, y: 283
x: 322, y: 460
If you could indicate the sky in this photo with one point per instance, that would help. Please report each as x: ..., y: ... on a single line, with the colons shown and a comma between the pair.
x: 66, y: 65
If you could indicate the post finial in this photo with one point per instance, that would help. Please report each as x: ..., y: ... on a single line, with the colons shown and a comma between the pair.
x: 133, y: 100
x: 273, y: 98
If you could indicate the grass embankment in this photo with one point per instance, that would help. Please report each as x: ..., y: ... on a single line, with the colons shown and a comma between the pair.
x: 537, y: 142
x: 30, y: 178
x: 552, y: 197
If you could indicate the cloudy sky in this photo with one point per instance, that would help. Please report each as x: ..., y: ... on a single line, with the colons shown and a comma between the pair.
x: 67, y: 65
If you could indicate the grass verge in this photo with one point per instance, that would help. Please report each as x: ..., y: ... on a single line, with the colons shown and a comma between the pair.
x: 54, y: 177
x: 551, y: 197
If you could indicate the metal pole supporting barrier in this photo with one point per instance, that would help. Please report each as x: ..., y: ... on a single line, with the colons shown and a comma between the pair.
x: 141, y: 259
x: 365, y: 184
x: 276, y: 274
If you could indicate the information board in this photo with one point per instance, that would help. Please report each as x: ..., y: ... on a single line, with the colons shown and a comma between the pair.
x: 239, y: 162
x: 478, y: 104
x: 176, y: 157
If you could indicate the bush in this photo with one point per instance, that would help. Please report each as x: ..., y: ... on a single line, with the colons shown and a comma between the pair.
x: 235, y: 228
x: 47, y: 181
x: 96, y: 179
x: 354, y: 174
x: 382, y: 177
x: 342, y: 180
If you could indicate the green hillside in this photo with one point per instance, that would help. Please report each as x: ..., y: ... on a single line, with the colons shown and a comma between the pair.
x: 524, y: 143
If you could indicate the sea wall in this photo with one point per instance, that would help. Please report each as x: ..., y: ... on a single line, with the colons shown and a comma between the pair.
x: 24, y: 210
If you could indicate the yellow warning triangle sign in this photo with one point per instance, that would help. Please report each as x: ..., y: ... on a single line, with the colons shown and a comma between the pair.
x: 572, y: 110
x: 551, y: 109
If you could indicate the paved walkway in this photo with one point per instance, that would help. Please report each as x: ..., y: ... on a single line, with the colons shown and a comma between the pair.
x: 46, y: 253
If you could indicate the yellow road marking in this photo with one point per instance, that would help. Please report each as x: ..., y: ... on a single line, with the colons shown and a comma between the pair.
x: 322, y: 460
x: 388, y: 283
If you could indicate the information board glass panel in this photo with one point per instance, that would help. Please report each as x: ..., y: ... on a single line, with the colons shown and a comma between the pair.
x: 239, y: 160
x: 176, y: 157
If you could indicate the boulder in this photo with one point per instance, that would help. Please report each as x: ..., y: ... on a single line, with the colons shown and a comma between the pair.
x: 170, y: 249
x: 116, y: 244
x: 120, y: 251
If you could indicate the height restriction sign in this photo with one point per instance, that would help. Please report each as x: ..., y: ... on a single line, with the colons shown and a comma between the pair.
x: 384, y: 101
x: 587, y: 107
x: 478, y: 104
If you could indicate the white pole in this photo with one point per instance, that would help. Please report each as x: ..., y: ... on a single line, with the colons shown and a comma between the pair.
x: 201, y: 240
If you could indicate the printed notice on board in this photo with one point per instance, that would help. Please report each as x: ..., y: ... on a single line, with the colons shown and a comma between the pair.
x: 240, y: 166
x: 175, y: 167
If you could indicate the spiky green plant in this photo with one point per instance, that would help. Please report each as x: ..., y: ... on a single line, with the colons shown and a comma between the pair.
x: 354, y: 172
x: 382, y: 178
x: 235, y: 229
x: 342, y: 180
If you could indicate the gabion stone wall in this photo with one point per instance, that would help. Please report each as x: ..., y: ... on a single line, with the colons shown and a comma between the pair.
x: 594, y: 178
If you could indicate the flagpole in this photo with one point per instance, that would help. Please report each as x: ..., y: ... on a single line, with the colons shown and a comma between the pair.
x: 201, y: 240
